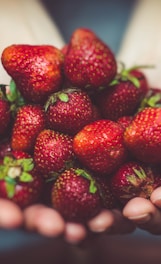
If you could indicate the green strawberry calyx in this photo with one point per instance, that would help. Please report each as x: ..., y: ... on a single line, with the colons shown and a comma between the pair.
x: 138, y: 176
x: 12, y: 95
x: 62, y: 96
x: 151, y: 101
x: 124, y: 74
x: 141, y: 180
x: 86, y: 175
x: 13, y: 171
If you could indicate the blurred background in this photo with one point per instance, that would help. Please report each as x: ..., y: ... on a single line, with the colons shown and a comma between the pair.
x: 108, y: 18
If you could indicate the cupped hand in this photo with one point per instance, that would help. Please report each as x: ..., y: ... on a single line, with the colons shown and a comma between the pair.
x: 48, y: 222
x: 145, y: 214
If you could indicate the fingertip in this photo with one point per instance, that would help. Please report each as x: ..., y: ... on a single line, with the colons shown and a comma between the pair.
x: 101, y: 222
x: 11, y: 215
x: 156, y: 197
x: 74, y: 232
x: 138, y: 210
x: 46, y: 221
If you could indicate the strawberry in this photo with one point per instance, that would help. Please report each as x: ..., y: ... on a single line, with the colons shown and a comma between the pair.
x: 5, y: 148
x: 52, y: 152
x: 125, y: 95
x: 100, y: 147
x: 89, y: 62
x: 125, y: 121
x: 36, y: 69
x: 69, y: 110
x: 29, y: 121
x: 5, y: 114
x: 75, y: 195
x: 142, y: 136
x: 19, y: 181
x: 134, y: 179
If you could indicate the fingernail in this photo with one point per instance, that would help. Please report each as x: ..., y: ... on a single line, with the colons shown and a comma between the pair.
x: 140, y: 219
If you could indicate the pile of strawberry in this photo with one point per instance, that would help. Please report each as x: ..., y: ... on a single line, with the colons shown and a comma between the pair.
x: 76, y: 132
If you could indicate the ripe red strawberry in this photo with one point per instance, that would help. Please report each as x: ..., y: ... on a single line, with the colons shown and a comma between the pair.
x: 19, y: 181
x: 69, y: 110
x: 5, y: 148
x: 5, y: 114
x: 142, y: 136
x: 123, y: 98
x: 29, y: 121
x: 100, y: 147
x: 36, y: 69
x: 89, y: 62
x: 75, y: 195
x: 53, y: 152
x: 134, y: 179
x: 125, y: 121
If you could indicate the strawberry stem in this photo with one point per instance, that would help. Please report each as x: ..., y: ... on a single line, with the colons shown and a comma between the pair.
x: 86, y: 175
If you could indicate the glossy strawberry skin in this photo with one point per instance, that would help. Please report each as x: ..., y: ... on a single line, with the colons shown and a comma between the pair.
x: 36, y: 69
x: 122, y: 99
x: 88, y: 61
x: 70, y: 115
x: 29, y: 121
x: 125, y: 121
x: 5, y: 148
x: 26, y: 193
x: 5, y: 116
x: 100, y: 147
x: 142, y: 136
x: 52, y: 152
x: 127, y: 184
x: 72, y: 198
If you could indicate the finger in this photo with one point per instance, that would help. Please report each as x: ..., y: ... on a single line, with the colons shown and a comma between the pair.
x: 111, y: 221
x: 156, y: 197
x: 44, y: 220
x: 144, y: 214
x: 10, y: 214
x: 75, y: 233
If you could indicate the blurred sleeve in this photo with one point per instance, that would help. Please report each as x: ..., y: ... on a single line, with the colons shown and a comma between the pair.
x: 141, y: 44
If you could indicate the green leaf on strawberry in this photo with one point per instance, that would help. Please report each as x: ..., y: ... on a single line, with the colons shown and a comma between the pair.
x: 10, y: 186
x: 27, y: 164
x: 63, y: 97
x: 26, y: 177
x: 85, y: 174
x: 16, y: 169
x: 10, y: 189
